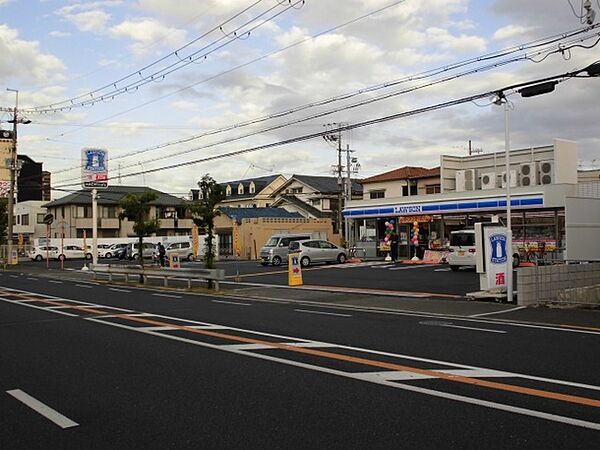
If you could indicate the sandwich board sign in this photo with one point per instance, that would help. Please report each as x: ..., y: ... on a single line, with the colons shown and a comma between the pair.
x: 94, y: 168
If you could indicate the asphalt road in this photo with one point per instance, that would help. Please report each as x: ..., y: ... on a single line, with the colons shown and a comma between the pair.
x: 123, y: 367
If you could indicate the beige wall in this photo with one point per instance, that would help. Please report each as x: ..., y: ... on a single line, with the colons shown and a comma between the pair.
x: 393, y: 188
x: 5, y: 146
x: 255, y: 232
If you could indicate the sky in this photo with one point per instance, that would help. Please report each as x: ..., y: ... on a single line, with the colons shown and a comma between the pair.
x: 161, y: 83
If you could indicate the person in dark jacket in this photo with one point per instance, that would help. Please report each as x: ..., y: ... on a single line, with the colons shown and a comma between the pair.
x: 161, y: 254
x: 394, y: 245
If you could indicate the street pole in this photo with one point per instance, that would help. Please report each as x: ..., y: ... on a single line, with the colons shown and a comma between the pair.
x: 348, y: 195
x: 95, y: 227
x: 11, y: 189
x: 339, y: 171
x: 509, y: 271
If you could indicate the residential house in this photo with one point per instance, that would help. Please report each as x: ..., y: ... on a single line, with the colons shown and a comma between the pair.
x: 402, y: 182
x: 251, y: 192
x: 73, y: 213
x: 29, y: 221
x: 315, y: 197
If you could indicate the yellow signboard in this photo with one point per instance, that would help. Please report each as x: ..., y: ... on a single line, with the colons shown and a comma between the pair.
x: 195, y: 240
x: 236, y: 239
x: 294, y: 270
x: 174, y: 261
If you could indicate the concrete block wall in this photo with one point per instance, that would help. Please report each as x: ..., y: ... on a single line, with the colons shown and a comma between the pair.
x: 548, y: 284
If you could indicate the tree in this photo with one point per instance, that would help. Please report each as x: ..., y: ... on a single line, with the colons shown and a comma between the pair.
x: 204, y: 213
x: 136, y: 208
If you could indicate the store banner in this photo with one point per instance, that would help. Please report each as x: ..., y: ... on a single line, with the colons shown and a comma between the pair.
x: 497, y: 245
x: 94, y: 168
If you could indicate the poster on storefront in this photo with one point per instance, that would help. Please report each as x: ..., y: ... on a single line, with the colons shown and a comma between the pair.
x: 497, y: 243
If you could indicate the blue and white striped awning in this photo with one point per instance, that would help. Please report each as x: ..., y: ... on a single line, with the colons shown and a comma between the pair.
x: 463, y: 206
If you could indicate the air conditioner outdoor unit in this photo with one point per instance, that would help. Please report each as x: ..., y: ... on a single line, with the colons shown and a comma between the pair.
x: 489, y: 180
x: 514, y: 178
x: 470, y: 179
x: 529, y: 174
x: 546, y: 172
x: 460, y: 180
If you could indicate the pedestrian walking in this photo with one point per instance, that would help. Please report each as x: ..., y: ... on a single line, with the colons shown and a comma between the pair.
x: 394, y: 246
x: 161, y: 254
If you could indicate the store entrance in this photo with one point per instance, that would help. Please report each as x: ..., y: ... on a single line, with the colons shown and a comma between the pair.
x: 403, y: 241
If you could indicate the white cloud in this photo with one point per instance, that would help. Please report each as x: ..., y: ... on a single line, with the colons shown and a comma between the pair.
x: 23, y: 59
x: 59, y: 34
x: 89, y: 21
x: 146, y: 33
x: 511, y: 31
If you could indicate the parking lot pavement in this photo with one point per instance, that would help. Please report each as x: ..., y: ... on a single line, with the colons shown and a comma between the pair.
x: 340, y: 297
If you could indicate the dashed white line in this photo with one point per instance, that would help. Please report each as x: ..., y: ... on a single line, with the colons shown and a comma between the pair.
x: 84, y: 286
x: 232, y: 303
x: 475, y: 329
x: 498, y: 312
x: 14, y: 276
x: 41, y: 408
x: 447, y: 269
x: 118, y: 290
x: 167, y: 295
x: 32, y: 279
x: 308, y: 311
x: 55, y: 281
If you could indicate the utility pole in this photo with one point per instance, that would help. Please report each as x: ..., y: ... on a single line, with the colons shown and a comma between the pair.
x: 338, y: 169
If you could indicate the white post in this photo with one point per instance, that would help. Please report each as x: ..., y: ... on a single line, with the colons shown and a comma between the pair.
x: 509, y: 271
x: 95, y: 226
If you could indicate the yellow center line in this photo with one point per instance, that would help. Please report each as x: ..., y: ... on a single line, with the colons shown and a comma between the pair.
x: 380, y: 364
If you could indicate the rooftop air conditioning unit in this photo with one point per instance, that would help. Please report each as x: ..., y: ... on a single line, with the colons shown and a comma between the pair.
x: 514, y: 178
x: 546, y: 172
x: 489, y: 180
x: 529, y: 174
x: 466, y: 180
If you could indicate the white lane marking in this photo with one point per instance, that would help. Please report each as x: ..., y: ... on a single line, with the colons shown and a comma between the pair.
x: 41, y: 408
x: 167, y: 295
x: 118, y: 290
x: 498, y: 312
x: 14, y: 276
x: 232, y: 303
x: 84, y: 286
x: 395, y: 385
x: 442, y: 270
x: 245, y: 346
x: 55, y: 281
x: 32, y: 279
x: 308, y: 311
x: 410, y: 267
x: 474, y: 329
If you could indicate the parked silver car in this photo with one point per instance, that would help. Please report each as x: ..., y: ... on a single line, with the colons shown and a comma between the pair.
x: 182, y: 249
x: 315, y: 250
x: 133, y: 250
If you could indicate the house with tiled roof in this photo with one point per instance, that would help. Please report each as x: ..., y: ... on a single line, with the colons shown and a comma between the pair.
x: 73, y: 213
x: 402, y: 182
x: 314, y: 196
x: 251, y: 192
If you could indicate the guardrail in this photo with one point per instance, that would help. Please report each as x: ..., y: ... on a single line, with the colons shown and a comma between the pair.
x: 210, y: 275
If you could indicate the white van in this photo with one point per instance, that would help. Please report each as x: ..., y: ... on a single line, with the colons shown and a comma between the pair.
x: 462, y: 249
x: 275, y: 251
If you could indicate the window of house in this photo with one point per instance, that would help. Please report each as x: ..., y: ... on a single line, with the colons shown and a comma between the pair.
x: 228, y: 191
x: 40, y: 218
x: 377, y: 194
x: 110, y: 212
x: 62, y: 212
x: 433, y: 189
x: 240, y: 188
x: 315, y: 201
x: 252, y: 188
x: 25, y: 219
x: 413, y: 190
x: 296, y: 190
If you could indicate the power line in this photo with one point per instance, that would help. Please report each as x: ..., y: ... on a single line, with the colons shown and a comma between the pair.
x: 505, y: 92
x: 315, y: 116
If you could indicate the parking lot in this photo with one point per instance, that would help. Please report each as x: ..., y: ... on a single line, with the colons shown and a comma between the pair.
x: 376, y: 275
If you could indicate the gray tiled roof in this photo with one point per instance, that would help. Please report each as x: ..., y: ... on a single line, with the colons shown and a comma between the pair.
x: 113, y: 195
x: 326, y: 185
x: 248, y: 213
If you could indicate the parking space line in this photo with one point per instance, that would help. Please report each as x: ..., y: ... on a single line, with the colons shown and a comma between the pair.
x: 55, y: 281
x: 232, y: 303
x: 32, y: 279
x: 42, y: 409
x: 498, y: 312
x: 84, y: 286
x: 308, y: 311
x: 475, y: 329
x: 167, y: 295
x: 119, y: 290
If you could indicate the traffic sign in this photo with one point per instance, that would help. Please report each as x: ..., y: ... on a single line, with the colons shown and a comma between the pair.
x: 48, y: 219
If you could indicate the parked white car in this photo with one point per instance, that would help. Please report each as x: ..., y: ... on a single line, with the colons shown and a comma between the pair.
x: 39, y: 253
x: 461, y: 251
x: 72, y: 252
x: 181, y: 249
